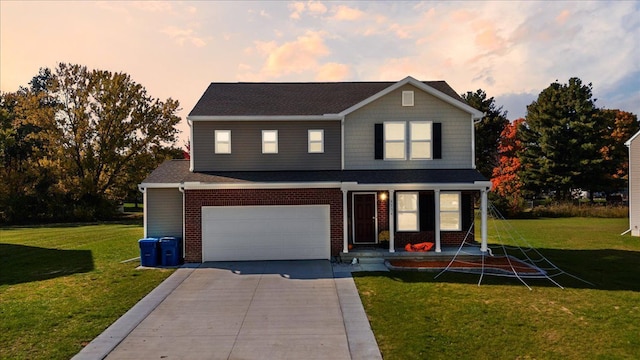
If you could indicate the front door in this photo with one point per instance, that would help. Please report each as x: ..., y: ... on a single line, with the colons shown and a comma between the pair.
x: 364, y: 218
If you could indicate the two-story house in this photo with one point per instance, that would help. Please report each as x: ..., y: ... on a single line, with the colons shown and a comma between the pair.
x: 310, y: 170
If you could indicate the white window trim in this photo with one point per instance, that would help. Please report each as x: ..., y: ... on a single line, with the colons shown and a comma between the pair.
x: 270, y: 142
x: 411, y: 141
x: 321, y: 142
x: 403, y: 141
x: 216, y: 142
x: 458, y: 211
x: 407, y: 98
x: 416, y: 212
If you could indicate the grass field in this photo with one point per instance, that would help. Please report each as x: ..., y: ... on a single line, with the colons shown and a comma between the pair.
x: 62, y: 285
x: 416, y: 317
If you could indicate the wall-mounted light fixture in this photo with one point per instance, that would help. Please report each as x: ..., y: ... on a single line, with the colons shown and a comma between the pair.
x: 383, y: 196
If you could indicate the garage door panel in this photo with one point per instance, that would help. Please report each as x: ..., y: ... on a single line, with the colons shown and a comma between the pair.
x: 265, y: 232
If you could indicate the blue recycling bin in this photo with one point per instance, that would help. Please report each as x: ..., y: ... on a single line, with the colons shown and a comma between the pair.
x: 149, y: 254
x: 170, y: 251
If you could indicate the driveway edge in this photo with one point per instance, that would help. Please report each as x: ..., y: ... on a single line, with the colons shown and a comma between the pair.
x: 362, y: 342
x: 102, y: 345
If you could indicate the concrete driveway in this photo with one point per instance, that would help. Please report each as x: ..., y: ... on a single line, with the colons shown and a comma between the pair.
x: 244, y: 310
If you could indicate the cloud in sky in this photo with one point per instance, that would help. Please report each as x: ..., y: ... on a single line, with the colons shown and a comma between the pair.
x: 512, y: 50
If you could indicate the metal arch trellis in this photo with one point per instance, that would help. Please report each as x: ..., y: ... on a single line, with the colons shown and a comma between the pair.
x: 545, y: 269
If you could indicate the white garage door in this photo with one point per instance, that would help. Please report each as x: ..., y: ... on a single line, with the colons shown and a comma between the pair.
x: 232, y: 233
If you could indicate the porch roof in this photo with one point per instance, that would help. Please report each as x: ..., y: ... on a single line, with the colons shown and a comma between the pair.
x: 177, y: 171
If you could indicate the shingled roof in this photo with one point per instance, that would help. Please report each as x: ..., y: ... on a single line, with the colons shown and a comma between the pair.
x: 266, y: 99
x: 177, y: 171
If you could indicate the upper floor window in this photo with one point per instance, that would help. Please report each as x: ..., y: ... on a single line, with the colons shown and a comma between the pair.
x: 222, y: 142
x: 450, y: 211
x: 420, y: 143
x: 421, y: 139
x: 269, y: 141
x: 316, y: 141
x: 394, y: 140
x: 407, y: 210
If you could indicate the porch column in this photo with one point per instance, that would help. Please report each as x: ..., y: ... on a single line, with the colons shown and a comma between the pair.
x: 391, y: 204
x: 437, y: 215
x: 345, y: 223
x: 483, y: 219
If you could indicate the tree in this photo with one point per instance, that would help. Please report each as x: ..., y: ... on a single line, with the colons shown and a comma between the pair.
x: 27, y: 174
x: 620, y: 126
x: 77, y: 141
x: 111, y: 134
x: 506, y: 179
x: 562, y: 139
x: 487, y: 130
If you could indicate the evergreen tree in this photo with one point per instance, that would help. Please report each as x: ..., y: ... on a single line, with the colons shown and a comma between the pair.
x: 562, y: 138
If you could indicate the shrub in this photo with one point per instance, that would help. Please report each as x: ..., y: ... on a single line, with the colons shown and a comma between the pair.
x: 585, y: 210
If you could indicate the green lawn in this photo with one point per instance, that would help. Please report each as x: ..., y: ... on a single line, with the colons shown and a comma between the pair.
x: 62, y: 285
x: 416, y: 317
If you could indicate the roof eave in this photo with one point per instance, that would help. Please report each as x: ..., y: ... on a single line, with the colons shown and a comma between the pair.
x: 324, y: 117
x: 628, y: 142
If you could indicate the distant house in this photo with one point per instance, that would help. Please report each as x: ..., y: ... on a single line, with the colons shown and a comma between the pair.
x: 634, y: 184
x: 311, y: 170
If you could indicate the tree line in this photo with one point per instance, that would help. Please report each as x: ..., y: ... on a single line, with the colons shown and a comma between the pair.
x: 76, y: 142
x: 565, y: 145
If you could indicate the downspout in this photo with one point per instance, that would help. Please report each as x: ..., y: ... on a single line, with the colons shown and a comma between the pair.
x: 342, y: 143
x: 190, y: 123
x: 181, y: 189
x: 473, y: 139
x: 143, y: 190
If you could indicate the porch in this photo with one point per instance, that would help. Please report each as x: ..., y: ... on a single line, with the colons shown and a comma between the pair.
x: 400, y: 214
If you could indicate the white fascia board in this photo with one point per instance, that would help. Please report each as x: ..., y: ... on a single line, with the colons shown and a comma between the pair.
x: 159, y: 185
x: 628, y: 143
x: 422, y: 86
x: 324, y: 117
x: 227, y: 186
x: 478, y: 185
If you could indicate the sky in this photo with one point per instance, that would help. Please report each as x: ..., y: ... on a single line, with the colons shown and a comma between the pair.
x: 512, y: 50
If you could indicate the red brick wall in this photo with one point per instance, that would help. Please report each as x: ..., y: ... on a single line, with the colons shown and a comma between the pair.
x: 196, y: 199
x: 383, y: 212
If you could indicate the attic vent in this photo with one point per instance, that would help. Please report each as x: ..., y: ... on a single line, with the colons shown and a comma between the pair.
x: 407, y: 98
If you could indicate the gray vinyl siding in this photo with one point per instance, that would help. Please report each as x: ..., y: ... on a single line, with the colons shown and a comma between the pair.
x: 456, y: 132
x: 634, y: 186
x: 164, y: 212
x: 246, y: 146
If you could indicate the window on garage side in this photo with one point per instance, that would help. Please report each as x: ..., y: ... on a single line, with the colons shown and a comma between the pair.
x: 407, y: 211
x: 269, y: 141
x: 420, y: 139
x: 394, y: 140
x: 450, y: 211
x: 316, y: 141
x: 222, y: 141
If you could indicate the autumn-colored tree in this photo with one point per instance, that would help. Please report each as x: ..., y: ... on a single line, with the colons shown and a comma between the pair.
x: 506, y: 181
x: 619, y: 127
